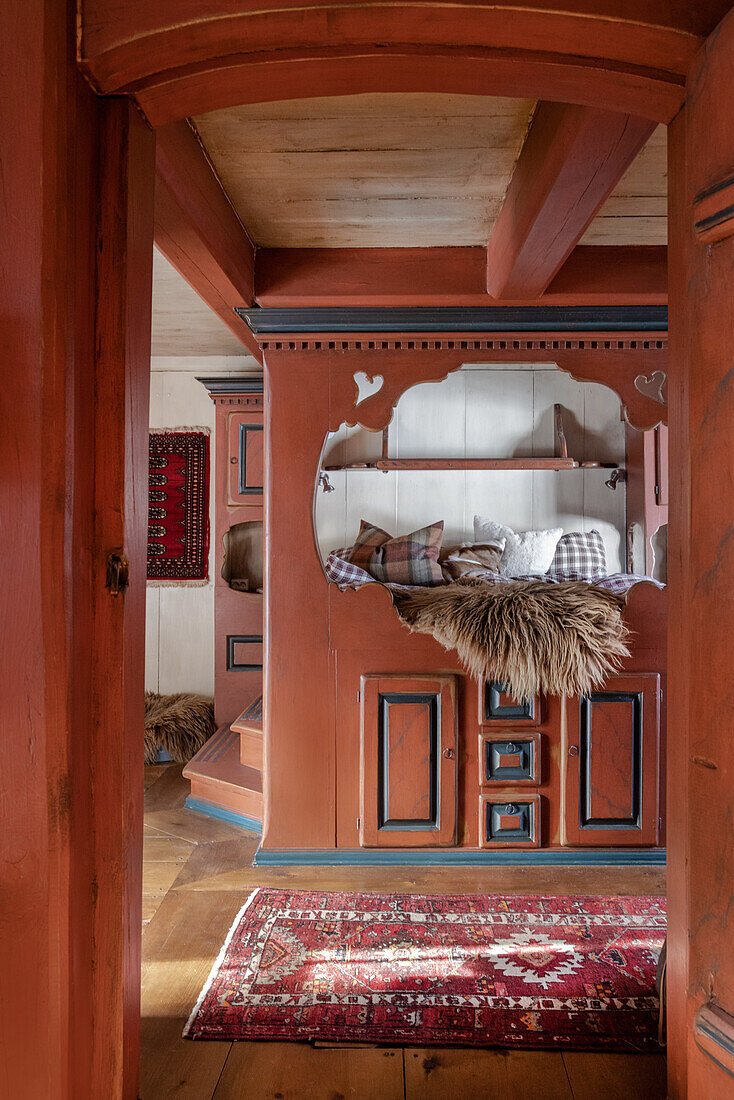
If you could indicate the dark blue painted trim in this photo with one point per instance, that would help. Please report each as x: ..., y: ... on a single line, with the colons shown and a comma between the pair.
x: 252, y: 383
x: 459, y: 857
x: 208, y: 809
x: 283, y: 320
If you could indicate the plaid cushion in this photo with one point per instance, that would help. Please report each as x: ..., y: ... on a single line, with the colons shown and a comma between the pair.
x: 622, y: 582
x: 411, y: 558
x: 339, y: 570
x: 579, y: 557
x: 369, y: 539
x: 406, y: 559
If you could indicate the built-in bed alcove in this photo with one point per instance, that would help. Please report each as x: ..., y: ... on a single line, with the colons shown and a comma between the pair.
x: 427, y: 759
x: 558, y: 453
x: 379, y: 745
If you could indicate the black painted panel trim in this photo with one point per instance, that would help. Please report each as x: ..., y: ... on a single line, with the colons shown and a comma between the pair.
x: 251, y: 384
x: 494, y: 711
x: 586, y: 821
x: 526, y: 823
x: 384, y: 821
x: 494, y: 773
x: 273, y: 321
x: 235, y: 639
x: 242, y: 487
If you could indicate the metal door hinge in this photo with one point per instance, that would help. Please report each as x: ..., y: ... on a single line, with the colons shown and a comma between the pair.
x: 117, y: 574
x: 359, y: 696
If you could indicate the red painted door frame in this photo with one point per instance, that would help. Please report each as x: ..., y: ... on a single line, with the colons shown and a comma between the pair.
x: 701, y: 571
x: 76, y: 191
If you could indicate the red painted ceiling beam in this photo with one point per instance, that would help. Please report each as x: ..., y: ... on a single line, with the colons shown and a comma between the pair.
x: 572, y: 159
x: 185, y: 57
x: 597, y: 275
x: 198, y: 231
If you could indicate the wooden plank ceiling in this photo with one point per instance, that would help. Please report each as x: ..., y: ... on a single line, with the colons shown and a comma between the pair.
x: 363, y: 171
x: 387, y: 170
x: 182, y: 323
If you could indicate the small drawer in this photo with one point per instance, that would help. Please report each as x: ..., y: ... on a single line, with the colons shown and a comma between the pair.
x: 508, y: 822
x: 497, y: 705
x: 512, y: 758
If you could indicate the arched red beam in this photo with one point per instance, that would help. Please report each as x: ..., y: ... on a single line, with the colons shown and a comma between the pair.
x: 188, y: 56
x: 149, y: 39
x: 475, y: 72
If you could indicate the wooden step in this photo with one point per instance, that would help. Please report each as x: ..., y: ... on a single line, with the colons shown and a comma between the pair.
x: 251, y: 749
x: 249, y: 725
x: 218, y: 778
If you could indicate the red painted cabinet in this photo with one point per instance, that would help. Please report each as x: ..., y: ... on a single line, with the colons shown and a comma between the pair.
x: 612, y: 764
x: 238, y: 541
x: 408, y: 761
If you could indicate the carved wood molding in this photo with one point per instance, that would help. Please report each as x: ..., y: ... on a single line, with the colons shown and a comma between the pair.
x: 407, y: 360
x: 495, y: 344
x: 253, y: 402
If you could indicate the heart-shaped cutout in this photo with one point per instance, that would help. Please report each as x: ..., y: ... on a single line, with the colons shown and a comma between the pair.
x: 367, y: 385
x: 654, y: 386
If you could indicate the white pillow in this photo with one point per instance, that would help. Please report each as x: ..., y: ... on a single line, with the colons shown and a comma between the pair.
x: 527, y: 552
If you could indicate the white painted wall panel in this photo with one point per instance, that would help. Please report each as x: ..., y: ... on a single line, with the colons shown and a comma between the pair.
x: 186, y: 647
x: 497, y: 411
x: 152, y: 634
x: 431, y: 423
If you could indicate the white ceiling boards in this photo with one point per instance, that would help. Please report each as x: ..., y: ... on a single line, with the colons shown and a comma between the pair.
x: 379, y: 170
x: 389, y: 170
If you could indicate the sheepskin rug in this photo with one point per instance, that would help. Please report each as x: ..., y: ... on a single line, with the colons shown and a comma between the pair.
x: 180, y: 724
x: 561, y: 639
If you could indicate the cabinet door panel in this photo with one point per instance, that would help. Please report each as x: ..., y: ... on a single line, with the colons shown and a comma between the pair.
x: 245, y: 453
x: 612, y: 764
x: 408, y: 773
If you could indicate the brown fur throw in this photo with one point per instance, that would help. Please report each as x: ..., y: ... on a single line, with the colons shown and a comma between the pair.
x: 180, y: 724
x: 561, y: 639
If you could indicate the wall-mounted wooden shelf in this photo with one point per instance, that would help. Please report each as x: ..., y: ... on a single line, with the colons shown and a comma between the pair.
x: 558, y: 461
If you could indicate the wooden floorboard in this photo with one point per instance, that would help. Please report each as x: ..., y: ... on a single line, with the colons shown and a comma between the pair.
x: 595, y: 1076
x: 198, y: 872
x: 179, y: 946
x: 169, y: 790
x: 296, y: 1071
x: 433, y: 1073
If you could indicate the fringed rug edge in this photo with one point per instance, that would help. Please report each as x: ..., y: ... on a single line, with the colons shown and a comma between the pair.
x: 217, y: 963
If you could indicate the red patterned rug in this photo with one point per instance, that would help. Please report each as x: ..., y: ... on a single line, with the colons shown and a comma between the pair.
x: 571, y: 972
x: 178, y: 507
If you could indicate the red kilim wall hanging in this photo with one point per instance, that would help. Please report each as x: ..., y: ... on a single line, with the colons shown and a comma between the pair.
x: 178, y: 507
